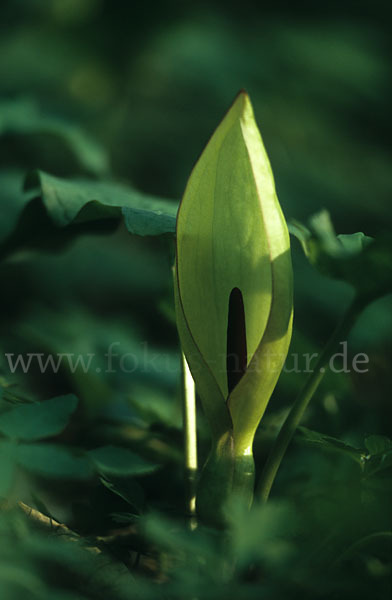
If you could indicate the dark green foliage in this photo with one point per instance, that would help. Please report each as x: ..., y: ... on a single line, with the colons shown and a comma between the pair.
x: 38, y: 420
x: 104, y: 109
x: 363, y: 262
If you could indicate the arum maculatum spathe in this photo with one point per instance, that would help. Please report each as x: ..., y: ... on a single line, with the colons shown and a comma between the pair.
x: 233, y: 288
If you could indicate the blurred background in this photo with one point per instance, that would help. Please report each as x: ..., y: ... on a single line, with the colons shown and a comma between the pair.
x: 151, y: 83
x: 131, y: 92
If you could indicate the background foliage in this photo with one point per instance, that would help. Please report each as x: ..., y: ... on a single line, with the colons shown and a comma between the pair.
x: 104, y: 108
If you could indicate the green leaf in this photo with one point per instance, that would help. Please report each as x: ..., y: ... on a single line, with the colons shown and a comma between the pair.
x: 81, y: 200
x: 359, y: 260
x: 150, y: 216
x: 323, y: 247
x: 54, y: 210
x: 329, y: 443
x: 121, y: 462
x: 40, y: 420
x: 23, y: 119
x: 54, y: 461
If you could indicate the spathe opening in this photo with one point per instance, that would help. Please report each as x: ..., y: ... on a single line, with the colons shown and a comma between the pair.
x: 236, y: 352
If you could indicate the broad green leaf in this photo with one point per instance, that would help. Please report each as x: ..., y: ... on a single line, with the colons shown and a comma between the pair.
x: 361, y: 261
x: 231, y: 234
x: 328, y: 252
x: 23, y: 119
x: 113, y: 460
x: 53, y: 211
x: 329, y: 443
x: 82, y: 200
x: 48, y: 460
x: 54, y: 461
x: 150, y: 216
x: 40, y: 420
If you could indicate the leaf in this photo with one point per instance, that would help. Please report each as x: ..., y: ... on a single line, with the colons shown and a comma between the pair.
x: 329, y: 443
x: 54, y: 211
x: 359, y: 260
x: 150, y: 216
x: 323, y: 247
x: 54, y: 461
x: 81, y: 200
x: 121, y: 462
x: 40, y: 420
x: 23, y: 118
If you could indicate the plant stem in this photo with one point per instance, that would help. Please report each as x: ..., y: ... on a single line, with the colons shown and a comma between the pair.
x: 296, y: 413
x: 190, y: 441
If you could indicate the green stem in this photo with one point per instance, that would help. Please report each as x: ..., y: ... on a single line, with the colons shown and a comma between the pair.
x: 225, y: 474
x: 296, y: 413
x: 190, y: 441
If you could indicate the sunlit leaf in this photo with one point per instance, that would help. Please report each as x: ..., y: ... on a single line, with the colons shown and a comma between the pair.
x: 53, y: 211
x: 82, y: 200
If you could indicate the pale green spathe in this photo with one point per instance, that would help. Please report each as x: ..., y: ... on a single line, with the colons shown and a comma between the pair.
x: 231, y: 233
